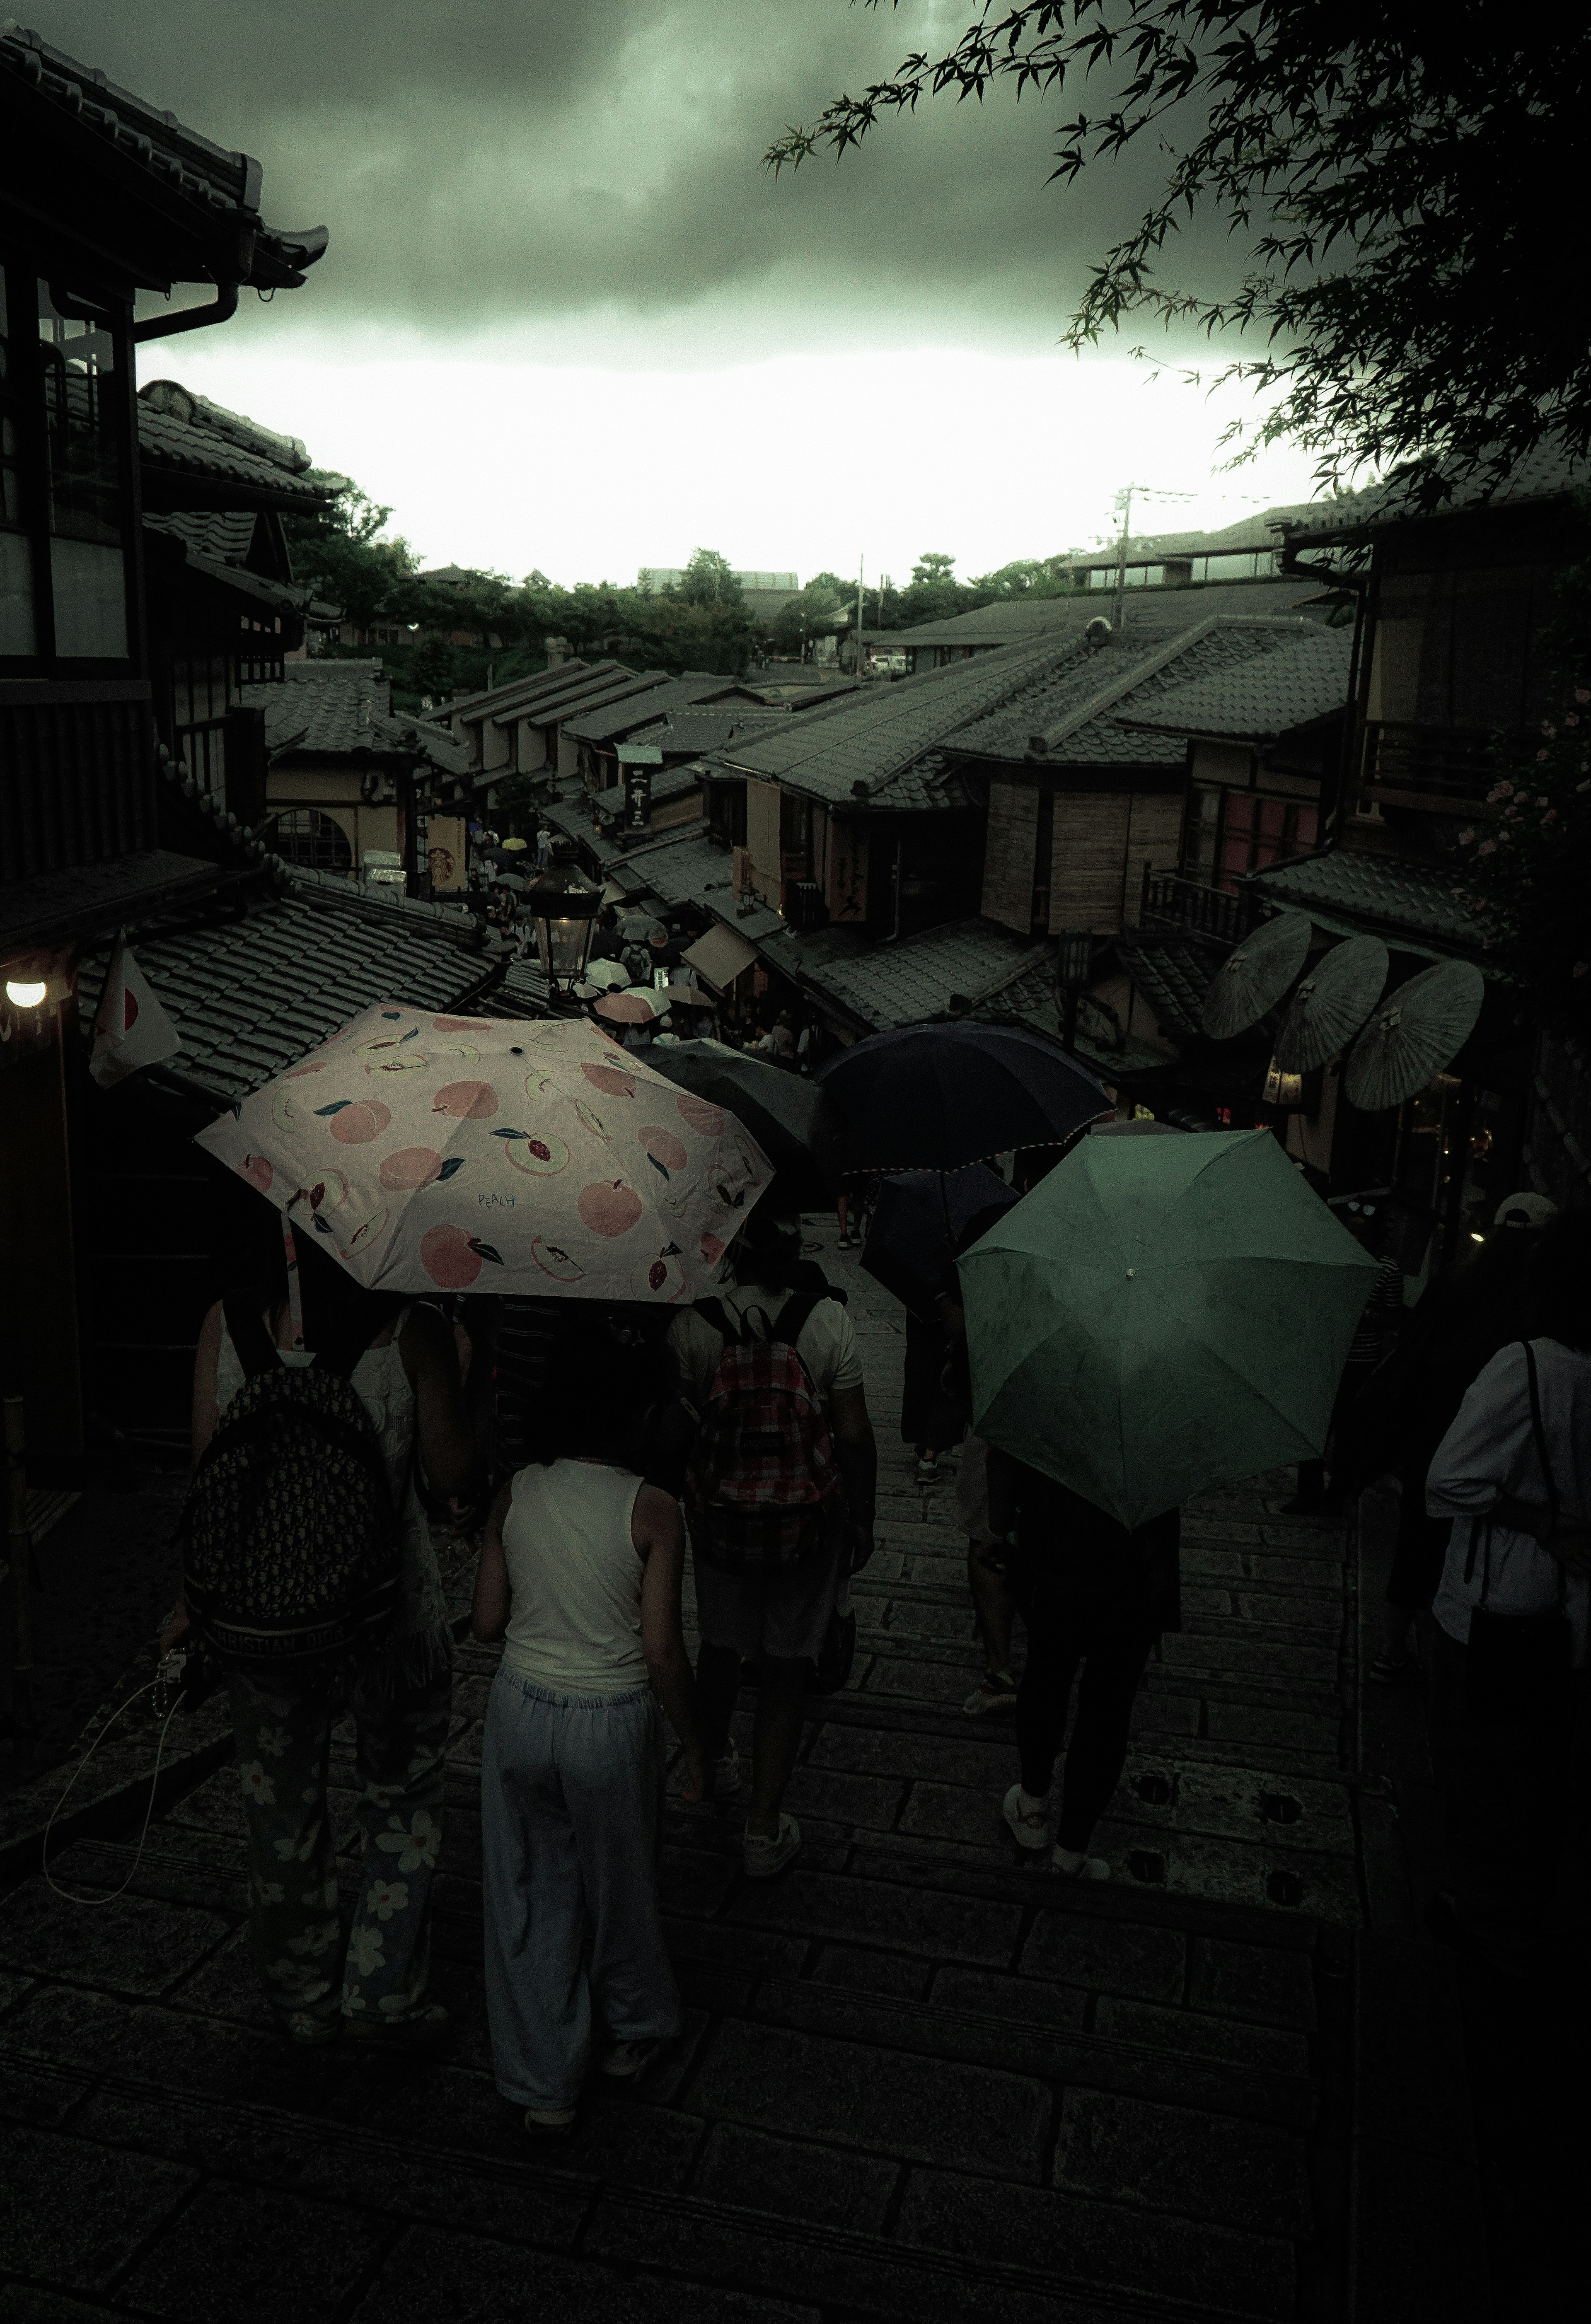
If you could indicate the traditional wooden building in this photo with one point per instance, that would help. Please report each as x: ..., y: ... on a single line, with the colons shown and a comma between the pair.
x: 102, y: 195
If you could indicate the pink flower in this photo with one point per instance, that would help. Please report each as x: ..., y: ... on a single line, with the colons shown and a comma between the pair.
x: 1571, y: 719
x: 1583, y: 694
x: 1586, y: 786
x: 1488, y: 847
x: 1464, y: 839
x: 1550, y: 815
x: 1503, y: 790
x: 1543, y: 802
x: 1543, y: 754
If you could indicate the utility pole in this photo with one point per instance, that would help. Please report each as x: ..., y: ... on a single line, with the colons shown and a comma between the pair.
x: 861, y: 570
x: 1119, y: 608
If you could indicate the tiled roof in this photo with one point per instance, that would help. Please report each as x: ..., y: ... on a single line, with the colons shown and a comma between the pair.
x: 711, y: 728
x: 874, y: 736
x: 1547, y: 472
x: 1266, y: 694
x: 1018, y: 620
x: 1173, y: 971
x: 225, y: 534
x: 1073, y: 705
x: 336, y: 717
x: 184, y: 437
x: 622, y: 718
x: 1389, y: 895
x: 222, y: 189
x: 250, y: 996
x: 593, y: 693
x: 691, y: 870
x: 907, y: 983
x: 667, y: 783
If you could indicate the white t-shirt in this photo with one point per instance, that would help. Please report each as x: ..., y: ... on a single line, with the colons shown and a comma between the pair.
x: 825, y: 1343
x: 575, y: 1578
x: 1491, y: 1451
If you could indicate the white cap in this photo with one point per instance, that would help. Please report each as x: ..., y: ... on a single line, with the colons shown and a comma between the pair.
x: 1525, y: 1209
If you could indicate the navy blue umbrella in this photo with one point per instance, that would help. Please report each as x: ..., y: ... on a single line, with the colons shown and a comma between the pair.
x: 938, y: 1097
x: 917, y: 1220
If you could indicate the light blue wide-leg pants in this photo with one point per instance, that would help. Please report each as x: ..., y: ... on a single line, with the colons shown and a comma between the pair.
x: 571, y: 1790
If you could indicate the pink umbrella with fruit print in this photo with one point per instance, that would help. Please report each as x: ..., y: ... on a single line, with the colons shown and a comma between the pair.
x: 458, y: 1153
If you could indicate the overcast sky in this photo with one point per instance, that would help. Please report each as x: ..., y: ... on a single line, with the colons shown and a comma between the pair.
x: 569, y: 320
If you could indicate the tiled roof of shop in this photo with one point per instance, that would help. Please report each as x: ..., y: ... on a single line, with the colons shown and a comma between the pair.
x: 180, y: 434
x: 691, y: 870
x: 223, y: 187
x: 1546, y: 474
x: 667, y: 783
x: 1018, y: 620
x: 1389, y: 895
x: 227, y: 534
x: 1173, y: 971
x: 712, y: 728
x: 907, y: 983
x: 487, y: 700
x: 1267, y: 694
x: 337, y: 718
x: 874, y: 736
x: 593, y: 693
x: 1077, y: 707
x: 250, y: 996
x: 621, y: 718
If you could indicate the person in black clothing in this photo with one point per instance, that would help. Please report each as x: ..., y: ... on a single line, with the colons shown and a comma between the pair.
x: 1089, y: 1592
x: 1383, y: 1318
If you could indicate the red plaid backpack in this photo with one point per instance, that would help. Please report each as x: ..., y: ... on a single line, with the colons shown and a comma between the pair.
x: 761, y: 1490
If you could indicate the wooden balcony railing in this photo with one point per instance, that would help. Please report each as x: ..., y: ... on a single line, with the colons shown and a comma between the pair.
x: 1169, y: 902
x: 1443, y: 770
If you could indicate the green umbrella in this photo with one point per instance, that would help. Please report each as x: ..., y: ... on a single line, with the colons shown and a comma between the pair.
x: 1159, y: 1315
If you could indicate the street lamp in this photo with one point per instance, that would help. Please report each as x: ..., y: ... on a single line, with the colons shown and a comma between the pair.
x: 564, y: 907
x: 1074, y: 971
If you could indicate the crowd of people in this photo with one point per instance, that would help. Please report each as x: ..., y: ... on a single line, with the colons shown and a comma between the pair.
x: 614, y: 1438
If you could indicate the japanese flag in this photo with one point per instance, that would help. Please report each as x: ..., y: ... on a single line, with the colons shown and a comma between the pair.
x: 132, y: 1029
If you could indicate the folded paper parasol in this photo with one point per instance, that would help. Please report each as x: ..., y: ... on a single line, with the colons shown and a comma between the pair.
x: 1255, y: 975
x: 1415, y: 1032
x: 1331, y: 1003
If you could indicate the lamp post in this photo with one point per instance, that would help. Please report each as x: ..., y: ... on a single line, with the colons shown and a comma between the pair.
x: 564, y: 907
x: 1074, y: 968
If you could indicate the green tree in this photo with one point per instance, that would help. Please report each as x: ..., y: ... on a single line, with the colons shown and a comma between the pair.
x: 807, y: 616
x: 708, y: 581
x: 340, y: 553
x: 1401, y: 177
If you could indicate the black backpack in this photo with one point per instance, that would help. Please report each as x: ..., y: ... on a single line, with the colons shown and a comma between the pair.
x: 288, y: 1537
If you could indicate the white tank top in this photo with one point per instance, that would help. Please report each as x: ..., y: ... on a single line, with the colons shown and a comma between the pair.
x: 574, y: 1576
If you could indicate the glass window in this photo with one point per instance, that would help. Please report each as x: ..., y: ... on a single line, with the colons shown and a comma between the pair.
x: 84, y: 482
x: 304, y: 835
x: 18, y: 634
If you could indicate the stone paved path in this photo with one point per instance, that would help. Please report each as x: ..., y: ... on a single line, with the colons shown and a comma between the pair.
x: 919, y: 2080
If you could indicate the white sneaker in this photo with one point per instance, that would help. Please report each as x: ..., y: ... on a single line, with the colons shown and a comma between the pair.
x: 727, y: 1775
x: 995, y: 1692
x: 762, y: 1857
x: 1028, y: 1827
x: 1090, y: 1867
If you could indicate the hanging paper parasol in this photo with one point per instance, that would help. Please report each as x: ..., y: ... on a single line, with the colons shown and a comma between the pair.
x: 1415, y: 1032
x: 1331, y: 1003
x: 1255, y: 975
x: 456, y: 1153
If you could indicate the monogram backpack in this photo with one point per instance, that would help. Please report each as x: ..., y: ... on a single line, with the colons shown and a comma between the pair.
x: 288, y: 1537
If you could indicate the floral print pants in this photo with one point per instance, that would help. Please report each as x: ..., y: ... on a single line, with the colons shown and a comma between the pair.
x: 283, y: 1751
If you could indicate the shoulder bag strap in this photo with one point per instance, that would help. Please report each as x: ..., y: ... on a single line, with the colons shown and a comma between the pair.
x: 796, y: 1313
x: 255, y: 1351
x: 1539, y: 1430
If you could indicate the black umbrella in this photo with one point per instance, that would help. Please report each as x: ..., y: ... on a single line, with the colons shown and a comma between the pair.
x: 799, y: 1128
x: 916, y: 1221
x: 936, y: 1097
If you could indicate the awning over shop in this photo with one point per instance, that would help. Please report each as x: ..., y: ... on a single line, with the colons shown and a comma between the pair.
x: 721, y: 956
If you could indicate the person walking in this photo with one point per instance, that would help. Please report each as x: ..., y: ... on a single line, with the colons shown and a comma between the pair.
x: 403, y: 1362
x: 1090, y: 1593
x: 1411, y: 1399
x: 579, y: 1576
x: 776, y: 1616
x: 1509, y: 1632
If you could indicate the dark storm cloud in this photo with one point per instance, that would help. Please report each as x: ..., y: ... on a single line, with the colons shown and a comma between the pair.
x: 496, y: 162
